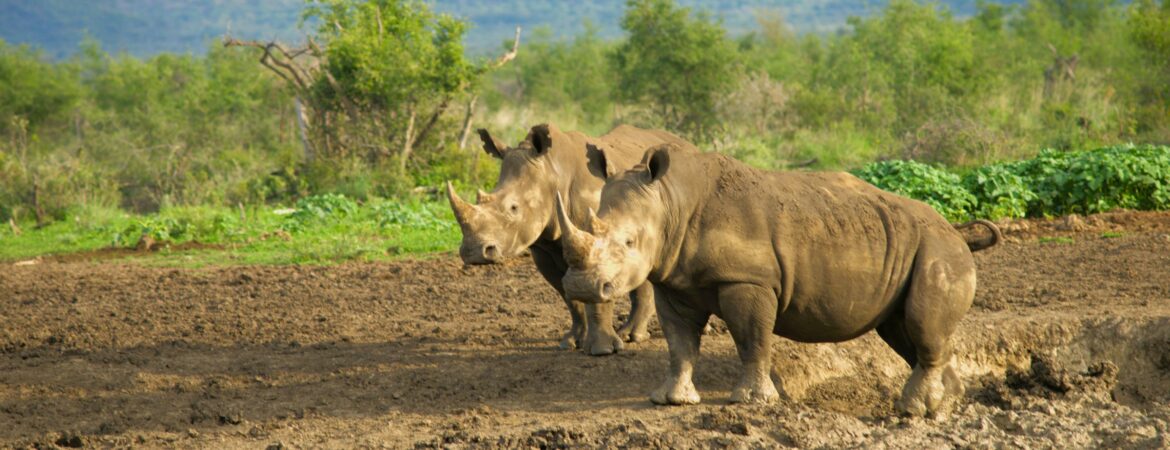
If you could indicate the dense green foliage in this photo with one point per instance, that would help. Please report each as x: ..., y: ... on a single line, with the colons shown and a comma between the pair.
x: 940, y: 189
x: 328, y: 229
x: 381, y: 101
x: 677, y: 63
x: 1051, y: 184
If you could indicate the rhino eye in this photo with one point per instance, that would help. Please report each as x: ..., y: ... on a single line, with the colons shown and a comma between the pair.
x: 514, y: 209
x: 629, y: 242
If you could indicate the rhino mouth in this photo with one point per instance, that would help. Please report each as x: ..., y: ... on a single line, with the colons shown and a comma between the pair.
x: 587, y: 289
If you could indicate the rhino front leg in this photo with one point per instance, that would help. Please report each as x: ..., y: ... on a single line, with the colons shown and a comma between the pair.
x: 641, y: 309
x: 576, y: 334
x: 599, y: 336
x: 682, y: 327
x: 750, y: 313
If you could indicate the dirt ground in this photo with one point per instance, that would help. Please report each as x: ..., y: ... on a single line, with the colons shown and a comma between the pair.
x: 1068, y: 345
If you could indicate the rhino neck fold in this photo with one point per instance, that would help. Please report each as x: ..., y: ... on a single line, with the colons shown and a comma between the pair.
x: 571, y: 178
x: 686, y: 204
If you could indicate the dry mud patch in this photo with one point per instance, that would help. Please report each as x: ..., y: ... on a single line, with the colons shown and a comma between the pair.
x: 1068, y: 345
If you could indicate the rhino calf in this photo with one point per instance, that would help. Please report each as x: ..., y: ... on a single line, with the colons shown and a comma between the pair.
x: 813, y: 257
x: 519, y: 215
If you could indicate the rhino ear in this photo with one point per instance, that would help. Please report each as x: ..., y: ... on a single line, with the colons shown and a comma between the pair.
x: 541, y: 138
x: 490, y: 144
x: 598, y: 162
x: 658, y: 162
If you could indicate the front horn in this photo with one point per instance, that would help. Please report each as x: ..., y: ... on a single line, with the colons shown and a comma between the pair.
x: 463, y: 211
x: 576, y: 242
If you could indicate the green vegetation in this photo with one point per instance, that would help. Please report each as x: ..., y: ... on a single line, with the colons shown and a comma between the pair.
x: 1059, y: 240
x: 940, y: 189
x: 1051, y: 184
x: 380, y: 101
x: 320, y: 230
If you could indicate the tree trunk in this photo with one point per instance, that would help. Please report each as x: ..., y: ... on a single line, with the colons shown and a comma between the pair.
x: 467, y: 122
x: 303, y: 129
x: 38, y: 210
x: 407, y: 142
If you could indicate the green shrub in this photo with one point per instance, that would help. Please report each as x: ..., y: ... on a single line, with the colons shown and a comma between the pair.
x: 1133, y: 177
x: 418, y: 215
x: 318, y: 208
x: 936, y: 187
x: 999, y: 192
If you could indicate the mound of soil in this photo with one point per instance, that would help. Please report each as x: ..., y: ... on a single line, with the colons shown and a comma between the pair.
x: 1068, y: 345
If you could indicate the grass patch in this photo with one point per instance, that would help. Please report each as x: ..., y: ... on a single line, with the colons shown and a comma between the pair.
x: 1112, y: 234
x: 1056, y: 240
x: 317, y: 230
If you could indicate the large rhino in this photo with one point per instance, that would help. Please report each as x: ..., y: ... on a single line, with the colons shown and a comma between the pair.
x: 813, y: 257
x: 519, y: 215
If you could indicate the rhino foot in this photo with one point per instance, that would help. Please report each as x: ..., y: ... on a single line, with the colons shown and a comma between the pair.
x: 759, y: 391
x: 572, y: 338
x: 675, y: 392
x: 602, y: 341
x: 630, y: 333
x: 930, y: 392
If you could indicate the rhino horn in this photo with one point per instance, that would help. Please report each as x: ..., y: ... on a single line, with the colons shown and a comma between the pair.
x: 595, y: 223
x: 463, y: 211
x: 482, y: 197
x: 576, y: 242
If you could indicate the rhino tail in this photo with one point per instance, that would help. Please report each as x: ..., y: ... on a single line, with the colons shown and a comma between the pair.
x: 984, y: 242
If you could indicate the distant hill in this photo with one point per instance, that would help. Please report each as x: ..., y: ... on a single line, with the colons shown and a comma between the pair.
x: 147, y: 27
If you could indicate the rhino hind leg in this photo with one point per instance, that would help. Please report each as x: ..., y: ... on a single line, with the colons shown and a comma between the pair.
x: 942, y: 290
x: 893, y: 332
x: 641, y: 310
x: 750, y: 313
x: 682, y: 327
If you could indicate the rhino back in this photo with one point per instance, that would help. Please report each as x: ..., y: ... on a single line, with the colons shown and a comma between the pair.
x: 836, y: 251
x: 625, y: 145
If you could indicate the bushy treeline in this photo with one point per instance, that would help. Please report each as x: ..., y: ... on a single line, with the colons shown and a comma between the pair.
x: 117, y: 131
x: 381, y: 99
x: 911, y: 81
x: 1051, y: 184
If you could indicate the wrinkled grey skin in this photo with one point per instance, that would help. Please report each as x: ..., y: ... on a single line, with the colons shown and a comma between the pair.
x: 519, y: 215
x: 813, y: 257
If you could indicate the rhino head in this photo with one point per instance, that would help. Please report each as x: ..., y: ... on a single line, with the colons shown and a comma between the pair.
x: 622, y: 243
x: 512, y: 217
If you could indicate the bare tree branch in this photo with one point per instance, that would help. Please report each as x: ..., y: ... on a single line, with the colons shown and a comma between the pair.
x: 286, y: 68
x: 467, y: 122
x: 507, y: 56
x: 442, y: 107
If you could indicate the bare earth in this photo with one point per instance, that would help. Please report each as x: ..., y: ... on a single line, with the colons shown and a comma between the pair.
x: 1068, y: 345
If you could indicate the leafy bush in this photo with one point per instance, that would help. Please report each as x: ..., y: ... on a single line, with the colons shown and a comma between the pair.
x: 161, y: 229
x: 999, y: 191
x: 318, y: 208
x: 428, y: 215
x: 936, y: 187
x: 1098, y: 180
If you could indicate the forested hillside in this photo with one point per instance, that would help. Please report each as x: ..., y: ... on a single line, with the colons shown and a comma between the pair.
x: 147, y: 27
x: 383, y: 102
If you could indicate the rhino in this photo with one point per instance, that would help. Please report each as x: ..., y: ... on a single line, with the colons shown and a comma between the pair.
x: 518, y: 216
x: 809, y: 256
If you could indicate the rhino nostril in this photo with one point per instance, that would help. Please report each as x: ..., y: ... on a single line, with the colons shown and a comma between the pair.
x: 491, y: 252
x: 607, y: 290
